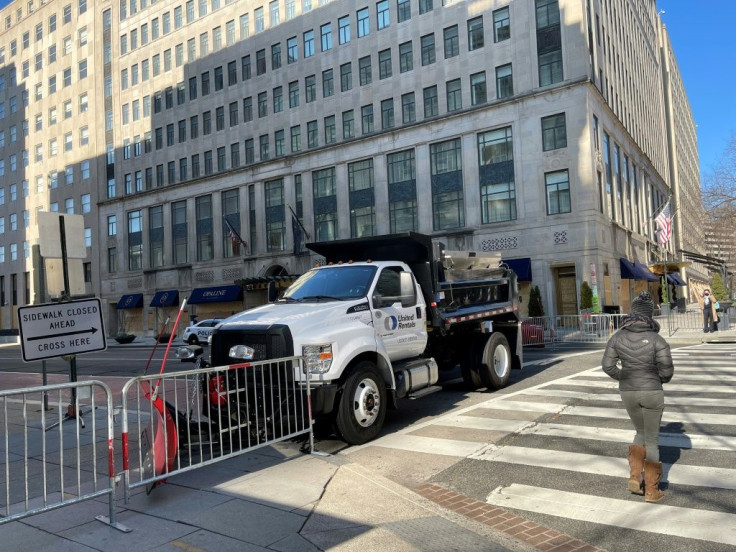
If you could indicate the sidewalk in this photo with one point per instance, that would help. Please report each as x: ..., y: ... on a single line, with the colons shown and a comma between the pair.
x: 280, y: 499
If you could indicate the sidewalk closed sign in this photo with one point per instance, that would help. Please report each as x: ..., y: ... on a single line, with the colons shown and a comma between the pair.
x: 58, y: 329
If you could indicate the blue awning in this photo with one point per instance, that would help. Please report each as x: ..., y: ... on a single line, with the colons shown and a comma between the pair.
x: 628, y: 272
x: 165, y: 298
x: 645, y: 273
x: 132, y: 301
x: 217, y: 294
x: 675, y: 278
x: 522, y: 267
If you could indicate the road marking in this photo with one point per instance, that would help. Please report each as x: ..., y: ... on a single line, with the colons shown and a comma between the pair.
x: 600, y: 412
x: 615, y: 397
x: 613, y: 384
x: 679, y: 474
x: 653, y: 518
x: 682, y: 441
x: 429, y: 445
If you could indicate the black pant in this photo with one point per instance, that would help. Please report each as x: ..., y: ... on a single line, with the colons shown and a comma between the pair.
x: 707, y: 318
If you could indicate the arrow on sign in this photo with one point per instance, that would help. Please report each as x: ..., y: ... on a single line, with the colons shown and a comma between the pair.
x: 91, y: 330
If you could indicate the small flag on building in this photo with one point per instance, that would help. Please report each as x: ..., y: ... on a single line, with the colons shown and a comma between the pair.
x: 664, y: 224
x: 298, y: 231
x: 235, y: 237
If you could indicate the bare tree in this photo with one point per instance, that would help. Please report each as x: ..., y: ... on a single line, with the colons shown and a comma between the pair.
x: 719, y: 191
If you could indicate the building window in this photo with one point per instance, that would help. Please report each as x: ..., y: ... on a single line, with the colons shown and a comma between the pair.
x: 309, y: 43
x: 504, y: 82
x: 326, y: 36
x: 425, y: 6
x: 406, y: 57
x: 204, y: 235
x: 478, y: 92
x: 275, y: 215
x: 403, y: 10
x: 452, y: 41
x: 312, y: 134
x: 431, y: 104
x: 325, y: 204
x: 402, y: 198
x: 230, y: 201
x: 549, y: 42
x: 475, y: 33
x: 348, y: 125
x: 179, y: 232
x: 363, y: 22
x: 557, y: 185
x: 384, y: 64
x: 364, y: 70
x: 387, y: 114
x: 496, y: 175
x: 296, y: 138
x: 382, y: 15
x: 310, y: 88
x: 454, y: 95
x: 501, y: 25
x: 156, y: 236
x: 328, y: 83
x: 362, y: 207
x: 343, y: 25
x: 275, y: 57
x: 554, y: 132
x: 366, y: 113
x: 408, y: 108
x: 135, y: 240
x: 330, y: 131
x: 427, y: 42
x: 448, y: 208
x: 346, y: 77
x: 292, y: 50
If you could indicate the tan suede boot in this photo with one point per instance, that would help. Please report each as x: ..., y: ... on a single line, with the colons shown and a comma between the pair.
x: 652, y: 476
x: 637, y: 454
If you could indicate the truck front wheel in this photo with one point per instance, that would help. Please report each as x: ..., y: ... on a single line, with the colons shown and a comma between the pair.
x: 362, y: 407
x: 495, y: 365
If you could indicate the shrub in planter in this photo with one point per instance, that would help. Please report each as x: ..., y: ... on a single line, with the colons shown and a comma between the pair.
x: 163, y: 338
x: 123, y: 338
x: 586, y: 296
x: 535, y: 302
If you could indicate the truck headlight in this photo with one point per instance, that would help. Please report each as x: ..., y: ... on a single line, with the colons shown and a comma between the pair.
x: 318, y: 358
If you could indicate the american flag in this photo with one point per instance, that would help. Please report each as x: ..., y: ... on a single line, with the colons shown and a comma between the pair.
x: 664, y: 224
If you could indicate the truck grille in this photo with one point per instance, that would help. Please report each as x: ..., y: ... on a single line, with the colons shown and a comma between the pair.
x: 269, y: 342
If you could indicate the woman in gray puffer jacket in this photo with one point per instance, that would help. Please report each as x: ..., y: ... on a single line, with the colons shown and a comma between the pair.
x: 646, y: 363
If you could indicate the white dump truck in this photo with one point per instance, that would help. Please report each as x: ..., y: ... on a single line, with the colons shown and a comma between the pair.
x: 378, y: 320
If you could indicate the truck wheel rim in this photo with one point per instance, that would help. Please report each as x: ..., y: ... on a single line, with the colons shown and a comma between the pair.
x: 500, y: 361
x: 366, y: 402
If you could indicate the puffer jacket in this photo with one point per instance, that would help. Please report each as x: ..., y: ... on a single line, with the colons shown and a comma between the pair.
x: 646, y: 362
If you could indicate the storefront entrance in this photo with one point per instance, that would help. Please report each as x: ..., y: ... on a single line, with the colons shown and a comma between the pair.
x: 567, y: 296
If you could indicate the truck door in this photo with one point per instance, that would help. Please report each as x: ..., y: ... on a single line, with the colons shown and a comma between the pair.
x: 398, y: 319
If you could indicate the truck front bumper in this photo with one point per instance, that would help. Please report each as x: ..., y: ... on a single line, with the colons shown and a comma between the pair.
x: 323, y: 399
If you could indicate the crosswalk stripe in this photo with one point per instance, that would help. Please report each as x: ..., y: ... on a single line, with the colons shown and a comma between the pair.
x: 611, y: 384
x: 682, y: 441
x: 615, y: 397
x: 701, y: 376
x: 653, y: 518
x: 599, y: 412
x: 679, y: 474
x: 429, y: 445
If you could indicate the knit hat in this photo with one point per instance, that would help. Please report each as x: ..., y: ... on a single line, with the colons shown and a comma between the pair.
x: 643, y: 305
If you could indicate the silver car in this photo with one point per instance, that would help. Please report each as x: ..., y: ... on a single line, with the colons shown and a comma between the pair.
x: 198, y: 333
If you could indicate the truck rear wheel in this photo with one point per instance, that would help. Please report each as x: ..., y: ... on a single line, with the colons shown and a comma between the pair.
x: 495, y: 364
x: 362, y: 407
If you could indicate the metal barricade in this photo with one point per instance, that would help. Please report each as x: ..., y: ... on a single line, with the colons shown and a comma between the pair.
x: 188, y: 419
x: 57, y: 457
x: 573, y: 328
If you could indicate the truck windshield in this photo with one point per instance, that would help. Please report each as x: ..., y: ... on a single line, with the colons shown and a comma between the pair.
x: 336, y: 283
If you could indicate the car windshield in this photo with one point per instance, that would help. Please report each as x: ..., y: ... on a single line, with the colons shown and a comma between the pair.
x: 336, y: 283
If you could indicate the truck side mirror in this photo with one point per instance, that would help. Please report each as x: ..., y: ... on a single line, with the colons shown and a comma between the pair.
x: 408, y: 291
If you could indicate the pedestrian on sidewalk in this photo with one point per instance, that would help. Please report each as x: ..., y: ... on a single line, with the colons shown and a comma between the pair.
x: 646, y: 363
x: 708, y: 306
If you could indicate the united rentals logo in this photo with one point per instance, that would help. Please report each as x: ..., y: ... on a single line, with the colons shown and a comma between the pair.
x: 400, y: 322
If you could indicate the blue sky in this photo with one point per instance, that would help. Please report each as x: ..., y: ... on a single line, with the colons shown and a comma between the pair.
x: 700, y: 32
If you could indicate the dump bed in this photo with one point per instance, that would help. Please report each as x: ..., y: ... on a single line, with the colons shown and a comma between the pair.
x: 457, y: 285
